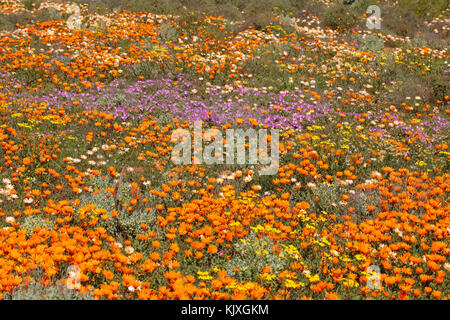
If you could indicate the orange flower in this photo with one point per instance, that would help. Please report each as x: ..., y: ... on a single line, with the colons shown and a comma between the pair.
x: 155, y: 256
x: 436, y: 294
x: 216, y: 284
x: 156, y: 244
x: 266, y: 269
x: 198, y: 255
x: 332, y: 296
x: 212, y: 249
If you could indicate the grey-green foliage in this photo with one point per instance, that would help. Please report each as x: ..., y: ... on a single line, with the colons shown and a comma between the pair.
x: 329, y: 198
x: 363, y: 199
x: 417, y: 43
x: 360, y: 6
x: 163, y: 118
x: 373, y: 42
x: 328, y: 195
x: 130, y: 222
x: 347, y: 2
x: 286, y: 19
x: 36, y: 290
x: 339, y: 17
x: 5, y: 22
x: 252, y: 255
x: 48, y: 14
x: 118, y: 100
x: 167, y: 32
x: 100, y: 200
x: 146, y: 68
x: 126, y: 224
x: 31, y: 4
x: 32, y: 221
x: 153, y: 6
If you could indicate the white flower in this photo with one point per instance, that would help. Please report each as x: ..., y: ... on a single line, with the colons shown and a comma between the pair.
x: 129, y: 249
x: 131, y: 289
x: 231, y: 176
x: 30, y: 200
x: 376, y: 173
x: 10, y: 220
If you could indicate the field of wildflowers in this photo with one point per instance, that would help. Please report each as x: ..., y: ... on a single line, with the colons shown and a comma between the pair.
x: 93, y: 207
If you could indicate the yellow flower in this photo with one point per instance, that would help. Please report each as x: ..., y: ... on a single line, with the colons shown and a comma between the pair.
x: 350, y: 283
x: 315, y: 278
x: 292, y: 284
x: 360, y: 257
x: 267, y: 276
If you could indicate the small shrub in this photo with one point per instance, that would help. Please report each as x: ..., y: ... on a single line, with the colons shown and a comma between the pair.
x: 36, y: 290
x: 10, y: 21
x: 339, y: 17
x: 373, y: 43
x: 440, y: 85
x: 411, y: 87
x: 252, y: 254
x: 259, y: 13
x: 399, y: 21
x: 32, y: 4
x: 48, y: 14
x: 328, y: 195
x: 111, y: 4
x: 152, y: 6
x: 33, y: 221
x: 229, y: 11
x: 168, y: 32
x: 424, y: 8
x: 5, y: 22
